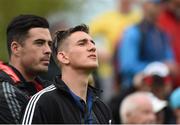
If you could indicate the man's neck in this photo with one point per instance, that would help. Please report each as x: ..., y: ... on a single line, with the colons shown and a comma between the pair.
x: 27, y: 76
x: 77, y: 81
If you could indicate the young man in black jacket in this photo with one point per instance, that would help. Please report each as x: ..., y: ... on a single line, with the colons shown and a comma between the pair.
x: 70, y: 100
x: 28, y: 41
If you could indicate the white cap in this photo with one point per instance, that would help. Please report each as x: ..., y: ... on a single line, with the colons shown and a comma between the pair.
x: 156, y: 68
x: 157, y: 103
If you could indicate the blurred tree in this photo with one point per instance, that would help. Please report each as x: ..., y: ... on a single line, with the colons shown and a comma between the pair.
x: 12, y: 8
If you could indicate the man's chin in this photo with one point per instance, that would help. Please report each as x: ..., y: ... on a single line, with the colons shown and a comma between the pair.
x: 93, y: 67
x: 44, y: 69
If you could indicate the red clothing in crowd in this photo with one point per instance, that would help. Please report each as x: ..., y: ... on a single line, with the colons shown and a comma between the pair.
x: 171, y: 25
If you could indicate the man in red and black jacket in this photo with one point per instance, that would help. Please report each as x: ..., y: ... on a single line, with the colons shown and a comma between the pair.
x: 28, y: 42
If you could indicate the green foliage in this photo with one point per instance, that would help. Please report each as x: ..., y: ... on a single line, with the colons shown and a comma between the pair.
x: 12, y: 8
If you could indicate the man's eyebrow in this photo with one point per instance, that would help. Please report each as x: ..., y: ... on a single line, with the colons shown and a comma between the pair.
x: 81, y: 40
x: 43, y: 40
x: 40, y: 40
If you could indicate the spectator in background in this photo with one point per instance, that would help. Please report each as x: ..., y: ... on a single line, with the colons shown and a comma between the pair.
x: 28, y: 43
x: 109, y: 27
x: 175, y: 104
x: 137, y: 108
x: 155, y: 78
x: 169, y: 21
x: 144, y: 43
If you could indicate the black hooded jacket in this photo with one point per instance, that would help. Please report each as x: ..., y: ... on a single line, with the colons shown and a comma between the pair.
x: 55, y: 105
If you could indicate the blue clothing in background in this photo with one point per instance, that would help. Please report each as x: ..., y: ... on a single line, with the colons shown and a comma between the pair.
x: 141, y: 44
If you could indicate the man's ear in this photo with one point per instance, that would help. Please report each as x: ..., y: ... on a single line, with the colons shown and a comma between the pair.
x: 63, y: 58
x: 16, y: 48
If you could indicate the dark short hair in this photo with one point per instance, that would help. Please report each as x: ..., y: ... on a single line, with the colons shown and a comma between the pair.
x: 18, y: 28
x: 61, y: 35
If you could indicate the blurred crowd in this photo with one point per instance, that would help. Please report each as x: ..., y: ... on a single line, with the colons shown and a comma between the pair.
x: 139, y: 53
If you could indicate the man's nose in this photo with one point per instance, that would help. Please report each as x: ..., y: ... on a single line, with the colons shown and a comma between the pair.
x: 92, y: 47
x: 48, y: 49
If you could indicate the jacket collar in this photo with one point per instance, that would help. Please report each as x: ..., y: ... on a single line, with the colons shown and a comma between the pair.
x: 20, y: 76
x: 22, y: 79
x: 60, y: 84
